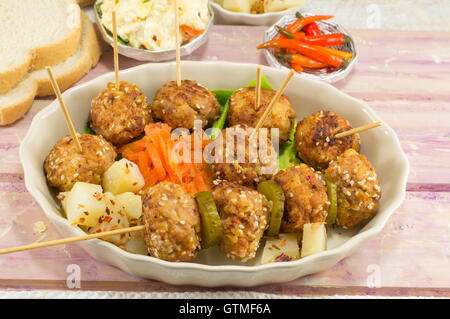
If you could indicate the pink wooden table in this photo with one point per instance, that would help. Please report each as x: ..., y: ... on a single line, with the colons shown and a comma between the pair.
x: 404, y: 76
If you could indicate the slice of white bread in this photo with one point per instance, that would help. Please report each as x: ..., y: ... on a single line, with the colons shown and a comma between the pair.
x: 15, y: 103
x: 36, y: 34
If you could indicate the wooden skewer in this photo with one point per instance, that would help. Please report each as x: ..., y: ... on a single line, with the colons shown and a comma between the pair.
x: 258, y: 88
x: 69, y: 122
x: 358, y: 129
x: 116, y: 49
x: 71, y: 239
x: 274, y: 100
x: 177, y: 47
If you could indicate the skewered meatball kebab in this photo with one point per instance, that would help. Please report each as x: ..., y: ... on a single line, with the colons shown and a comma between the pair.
x: 120, y: 112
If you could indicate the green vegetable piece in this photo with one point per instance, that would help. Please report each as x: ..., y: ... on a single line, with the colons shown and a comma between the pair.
x: 88, y: 130
x: 288, y: 151
x: 223, y: 96
x: 221, y: 122
x: 264, y: 84
x: 332, y: 197
x: 98, y: 8
x: 211, y: 224
x: 274, y: 193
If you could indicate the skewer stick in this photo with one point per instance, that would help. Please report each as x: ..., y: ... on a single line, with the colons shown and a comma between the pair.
x: 69, y: 122
x: 258, y: 88
x: 71, y: 239
x: 177, y: 47
x: 274, y: 100
x: 358, y: 129
x: 116, y: 49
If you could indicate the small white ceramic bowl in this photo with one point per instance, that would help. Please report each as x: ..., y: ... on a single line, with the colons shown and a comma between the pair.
x: 155, y: 55
x: 380, y: 145
x: 224, y: 16
x: 329, y: 75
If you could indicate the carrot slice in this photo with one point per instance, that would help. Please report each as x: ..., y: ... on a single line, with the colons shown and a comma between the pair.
x: 159, y: 158
x: 157, y: 164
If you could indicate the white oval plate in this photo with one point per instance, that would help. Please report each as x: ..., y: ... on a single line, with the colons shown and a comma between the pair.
x: 380, y: 145
x: 224, y: 16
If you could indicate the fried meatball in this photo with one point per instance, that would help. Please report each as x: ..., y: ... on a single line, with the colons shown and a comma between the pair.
x: 306, y: 197
x: 120, y: 115
x: 65, y: 164
x: 180, y: 106
x: 243, y: 111
x: 243, y: 162
x: 244, y: 219
x: 358, y: 188
x: 172, y: 223
x: 315, y: 140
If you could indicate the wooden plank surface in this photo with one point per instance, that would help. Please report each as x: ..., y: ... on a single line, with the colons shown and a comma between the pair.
x: 404, y: 76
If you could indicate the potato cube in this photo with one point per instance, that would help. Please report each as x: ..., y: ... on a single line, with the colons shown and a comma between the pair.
x: 283, y: 247
x: 84, y: 204
x: 314, y: 238
x: 132, y: 204
x: 114, y: 217
x: 238, y: 5
x: 277, y: 5
x: 123, y: 176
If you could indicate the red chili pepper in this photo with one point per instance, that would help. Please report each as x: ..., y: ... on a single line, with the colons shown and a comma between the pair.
x: 312, y: 29
x: 302, y: 22
x: 302, y: 60
x: 342, y: 54
x: 297, y: 67
x: 305, y: 49
x: 325, y: 40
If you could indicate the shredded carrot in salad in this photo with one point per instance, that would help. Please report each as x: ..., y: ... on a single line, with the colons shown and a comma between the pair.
x: 160, y: 158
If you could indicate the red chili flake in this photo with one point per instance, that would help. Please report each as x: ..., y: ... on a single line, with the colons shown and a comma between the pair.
x: 98, y: 231
x: 112, y: 202
x: 107, y: 219
x: 82, y: 220
x: 309, y: 178
x: 282, y: 257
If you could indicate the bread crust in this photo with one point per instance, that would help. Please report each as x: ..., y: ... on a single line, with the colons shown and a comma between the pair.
x: 11, y: 113
x: 66, y: 80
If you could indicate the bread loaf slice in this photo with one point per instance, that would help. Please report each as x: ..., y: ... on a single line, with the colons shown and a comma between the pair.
x: 15, y: 103
x: 36, y: 34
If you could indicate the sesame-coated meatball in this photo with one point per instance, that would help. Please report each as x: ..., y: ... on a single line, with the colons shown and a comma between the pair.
x: 172, y: 223
x: 243, y: 111
x: 306, y: 197
x: 244, y: 219
x: 242, y: 161
x: 315, y: 140
x: 358, y: 189
x: 180, y: 106
x: 120, y: 115
x: 65, y: 164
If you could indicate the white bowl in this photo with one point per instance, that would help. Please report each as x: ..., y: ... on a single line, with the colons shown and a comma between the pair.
x: 155, y: 55
x: 224, y: 16
x: 380, y: 145
x: 327, y: 27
